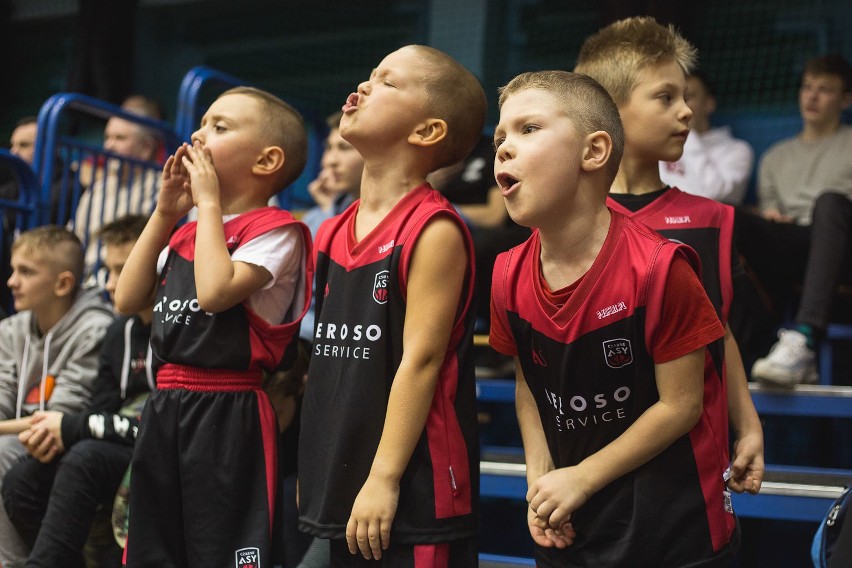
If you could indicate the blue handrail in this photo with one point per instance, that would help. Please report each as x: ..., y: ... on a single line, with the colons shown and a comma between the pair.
x: 49, y: 139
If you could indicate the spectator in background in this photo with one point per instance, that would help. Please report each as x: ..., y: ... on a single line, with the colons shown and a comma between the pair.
x: 115, y: 187
x: 801, y: 232
x: 22, y: 141
x: 714, y: 164
x: 78, y: 459
x: 49, y: 349
x: 336, y: 187
x: 22, y: 145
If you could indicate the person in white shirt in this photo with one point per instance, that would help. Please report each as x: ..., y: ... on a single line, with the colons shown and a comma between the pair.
x: 714, y: 164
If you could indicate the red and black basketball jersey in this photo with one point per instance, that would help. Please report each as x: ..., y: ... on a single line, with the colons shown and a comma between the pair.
x: 360, y: 312
x: 236, y: 338
x: 705, y: 225
x: 590, y: 371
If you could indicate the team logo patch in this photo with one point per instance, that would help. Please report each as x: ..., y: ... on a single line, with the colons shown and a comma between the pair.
x: 380, y: 287
x: 248, y: 557
x: 617, y: 353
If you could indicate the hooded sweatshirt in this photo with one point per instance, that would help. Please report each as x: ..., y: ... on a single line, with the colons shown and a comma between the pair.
x: 125, y: 378
x: 56, y: 370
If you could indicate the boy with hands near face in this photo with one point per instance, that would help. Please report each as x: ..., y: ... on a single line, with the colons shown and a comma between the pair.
x: 229, y: 292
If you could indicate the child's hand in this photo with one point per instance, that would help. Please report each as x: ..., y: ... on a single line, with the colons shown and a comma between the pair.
x: 747, y: 467
x: 545, y: 536
x: 41, y: 443
x: 204, y: 183
x: 369, y: 526
x: 557, y: 494
x: 175, y: 198
x: 320, y: 191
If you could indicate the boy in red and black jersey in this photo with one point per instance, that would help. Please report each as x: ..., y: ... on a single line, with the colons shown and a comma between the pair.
x: 643, y: 66
x: 609, y: 325
x: 228, y: 292
x: 388, y: 464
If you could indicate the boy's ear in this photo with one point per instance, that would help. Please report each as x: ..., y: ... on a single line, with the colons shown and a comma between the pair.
x: 596, y: 151
x: 65, y: 284
x: 429, y: 132
x: 270, y: 160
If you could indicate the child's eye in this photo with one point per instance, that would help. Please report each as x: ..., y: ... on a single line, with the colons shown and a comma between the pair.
x: 497, y: 143
x: 666, y: 98
x: 219, y: 128
x: 389, y: 84
x: 529, y: 128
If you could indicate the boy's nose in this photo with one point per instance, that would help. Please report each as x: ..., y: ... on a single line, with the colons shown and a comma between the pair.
x: 503, y: 152
x: 364, y: 88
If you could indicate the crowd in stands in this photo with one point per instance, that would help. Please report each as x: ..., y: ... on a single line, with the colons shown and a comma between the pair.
x: 164, y: 383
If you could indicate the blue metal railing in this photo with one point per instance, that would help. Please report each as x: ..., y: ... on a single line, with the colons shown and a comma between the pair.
x: 73, y: 172
x: 15, y: 215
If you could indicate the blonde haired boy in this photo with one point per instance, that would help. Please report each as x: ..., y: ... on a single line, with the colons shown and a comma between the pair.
x: 228, y: 292
x: 609, y: 324
x: 388, y: 461
x: 49, y: 348
x: 643, y: 65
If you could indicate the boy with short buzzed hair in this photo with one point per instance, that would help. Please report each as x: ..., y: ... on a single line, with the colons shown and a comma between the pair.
x: 609, y: 325
x: 49, y: 349
x: 643, y: 65
x: 229, y: 292
x: 388, y: 461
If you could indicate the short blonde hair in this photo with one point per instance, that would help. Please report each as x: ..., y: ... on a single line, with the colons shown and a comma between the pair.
x: 284, y: 127
x: 583, y: 100
x: 454, y: 95
x: 57, y: 245
x: 616, y: 54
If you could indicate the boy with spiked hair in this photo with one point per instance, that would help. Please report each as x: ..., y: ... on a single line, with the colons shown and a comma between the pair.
x: 643, y: 65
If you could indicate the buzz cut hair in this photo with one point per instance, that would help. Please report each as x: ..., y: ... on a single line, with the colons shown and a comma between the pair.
x: 284, y: 127
x: 57, y: 245
x: 615, y: 55
x: 454, y: 95
x: 583, y: 100
x: 126, y: 229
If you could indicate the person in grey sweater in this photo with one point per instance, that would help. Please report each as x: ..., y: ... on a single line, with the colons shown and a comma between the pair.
x: 802, y: 232
x: 49, y: 348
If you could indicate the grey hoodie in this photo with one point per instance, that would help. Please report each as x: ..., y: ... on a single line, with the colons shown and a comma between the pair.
x: 68, y: 352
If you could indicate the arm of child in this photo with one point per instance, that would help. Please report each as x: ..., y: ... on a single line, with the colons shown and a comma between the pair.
x: 14, y: 425
x: 436, y: 276
x: 220, y: 282
x: 747, y: 465
x: 680, y: 383
x: 538, y: 461
x: 138, y: 281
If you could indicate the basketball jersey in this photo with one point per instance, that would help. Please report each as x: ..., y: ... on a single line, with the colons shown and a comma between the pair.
x: 590, y: 372
x: 360, y: 311
x: 707, y: 226
x: 236, y: 338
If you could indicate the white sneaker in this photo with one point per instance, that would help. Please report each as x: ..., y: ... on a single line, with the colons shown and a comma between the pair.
x: 790, y: 361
